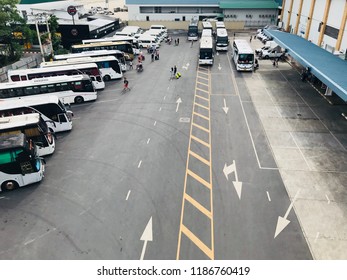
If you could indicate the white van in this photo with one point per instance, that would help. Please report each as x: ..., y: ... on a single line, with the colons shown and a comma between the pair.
x: 160, y: 27
x: 125, y: 33
x: 147, y: 41
x: 134, y: 29
x: 154, y: 34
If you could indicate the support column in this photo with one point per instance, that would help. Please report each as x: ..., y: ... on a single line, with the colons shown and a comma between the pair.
x: 298, y: 16
x: 283, y: 5
x: 289, y: 15
x: 309, y: 20
x: 324, y: 22
x: 342, y: 28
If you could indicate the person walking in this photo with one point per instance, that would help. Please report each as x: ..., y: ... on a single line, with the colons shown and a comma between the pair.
x: 175, y: 70
x: 178, y: 41
x: 171, y: 73
x: 250, y: 39
x: 191, y: 44
x: 130, y: 65
x: 125, y: 85
x: 152, y: 56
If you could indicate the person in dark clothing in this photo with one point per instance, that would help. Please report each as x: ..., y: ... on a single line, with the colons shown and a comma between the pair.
x: 175, y: 70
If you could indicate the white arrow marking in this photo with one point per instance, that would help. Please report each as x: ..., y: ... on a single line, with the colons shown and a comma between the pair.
x: 179, y: 100
x: 282, y: 222
x: 228, y: 169
x: 147, y: 235
x: 187, y: 64
x: 185, y: 67
x: 238, y: 188
x: 219, y: 67
x: 225, y: 108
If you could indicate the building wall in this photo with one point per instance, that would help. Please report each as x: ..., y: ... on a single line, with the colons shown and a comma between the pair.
x: 334, y: 19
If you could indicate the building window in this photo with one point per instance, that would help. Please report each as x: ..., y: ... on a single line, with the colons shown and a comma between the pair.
x: 157, y: 10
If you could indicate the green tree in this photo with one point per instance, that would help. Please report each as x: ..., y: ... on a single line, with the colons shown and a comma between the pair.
x: 9, y: 23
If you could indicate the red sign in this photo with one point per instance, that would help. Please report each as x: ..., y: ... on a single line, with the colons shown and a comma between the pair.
x: 71, y: 10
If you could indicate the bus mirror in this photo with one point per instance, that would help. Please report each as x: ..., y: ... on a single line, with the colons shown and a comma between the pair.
x: 39, y: 144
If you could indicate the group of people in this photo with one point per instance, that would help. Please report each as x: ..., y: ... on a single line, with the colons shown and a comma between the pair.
x: 174, y: 74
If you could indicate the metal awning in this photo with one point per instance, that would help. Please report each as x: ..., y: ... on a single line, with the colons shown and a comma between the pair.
x: 328, y: 68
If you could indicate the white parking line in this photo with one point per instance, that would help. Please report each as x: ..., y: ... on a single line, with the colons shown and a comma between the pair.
x: 139, y: 165
x: 149, y: 139
x: 128, y: 195
x: 268, y: 196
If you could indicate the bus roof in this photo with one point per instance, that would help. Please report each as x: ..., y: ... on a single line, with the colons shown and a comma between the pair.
x: 207, y: 25
x: 28, y: 101
x: 243, y: 46
x: 46, y: 70
x: 206, y: 43
x: 43, y: 81
x: 78, y: 60
x: 19, y: 121
x: 115, y: 38
x: 222, y: 32
x: 11, y: 141
x: 87, y: 53
x: 100, y: 44
x: 220, y: 24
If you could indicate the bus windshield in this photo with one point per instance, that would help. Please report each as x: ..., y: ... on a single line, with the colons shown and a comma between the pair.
x: 246, y: 58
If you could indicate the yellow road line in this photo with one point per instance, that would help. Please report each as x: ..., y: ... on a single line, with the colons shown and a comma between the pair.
x: 202, y: 106
x: 198, y: 206
x: 201, y: 116
x: 207, y: 162
x: 199, y: 179
x: 199, y: 96
x: 200, y: 141
x: 198, y: 242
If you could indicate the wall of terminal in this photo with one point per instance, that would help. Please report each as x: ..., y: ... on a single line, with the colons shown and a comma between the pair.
x: 310, y: 28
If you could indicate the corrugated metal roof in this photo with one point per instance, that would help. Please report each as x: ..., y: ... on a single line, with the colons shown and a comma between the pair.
x: 328, y: 68
x: 250, y: 4
x: 36, y: 1
x: 172, y: 2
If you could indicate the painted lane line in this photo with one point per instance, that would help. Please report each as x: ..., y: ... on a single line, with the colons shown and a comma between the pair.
x: 155, y: 123
x: 164, y: 97
x: 268, y: 196
x: 128, y: 195
x: 327, y: 198
x: 317, y: 236
x: 139, y: 164
x: 149, y: 139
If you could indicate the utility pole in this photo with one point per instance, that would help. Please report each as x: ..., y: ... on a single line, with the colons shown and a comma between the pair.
x: 39, y: 38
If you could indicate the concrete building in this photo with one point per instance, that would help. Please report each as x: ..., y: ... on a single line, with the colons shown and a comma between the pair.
x: 251, y: 13
x: 73, y: 29
x: 323, y: 22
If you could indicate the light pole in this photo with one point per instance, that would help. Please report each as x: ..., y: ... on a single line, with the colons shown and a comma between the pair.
x: 39, y: 38
x: 49, y: 33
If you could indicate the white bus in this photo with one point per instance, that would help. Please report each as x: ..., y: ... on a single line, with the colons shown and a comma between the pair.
x: 70, y: 89
x: 220, y: 24
x: 207, y: 25
x: 118, y: 54
x: 206, y: 51
x: 91, y: 69
x: 206, y: 33
x: 116, y: 38
x: 34, y: 128
x: 222, y: 39
x: 243, y: 55
x: 19, y: 163
x: 124, y: 46
x: 108, y: 65
x: 193, y: 30
x: 52, y: 110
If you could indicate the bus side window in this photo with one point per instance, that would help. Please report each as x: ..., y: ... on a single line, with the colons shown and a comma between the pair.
x: 15, y: 78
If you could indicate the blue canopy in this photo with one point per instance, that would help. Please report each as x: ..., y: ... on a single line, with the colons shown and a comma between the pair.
x: 328, y: 68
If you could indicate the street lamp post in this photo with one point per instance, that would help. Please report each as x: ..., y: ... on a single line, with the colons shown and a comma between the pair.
x: 39, y: 38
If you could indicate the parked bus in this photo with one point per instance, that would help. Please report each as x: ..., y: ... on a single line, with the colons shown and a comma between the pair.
x: 123, y: 46
x: 118, y: 54
x: 206, y: 33
x: 220, y: 24
x: 108, y: 65
x: 222, y: 39
x: 19, y: 163
x: 193, y: 30
x: 206, y: 51
x: 34, y: 128
x: 243, y: 56
x: 207, y: 25
x: 52, y: 110
x: 70, y: 89
x: 91, y: 69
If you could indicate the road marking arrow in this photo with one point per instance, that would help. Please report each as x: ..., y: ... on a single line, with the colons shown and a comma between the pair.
x: 282, y: 222
x: 238, y: 188
x: 225, y: 108
x: 147, y: 235
x: 219, y: 67
x: 228, y: 169
x: 179, y: 100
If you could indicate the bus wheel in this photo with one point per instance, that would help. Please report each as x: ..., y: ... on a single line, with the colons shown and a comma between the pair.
x: 107, y: 78
x: 9, y: 185
x: 79, y: 99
